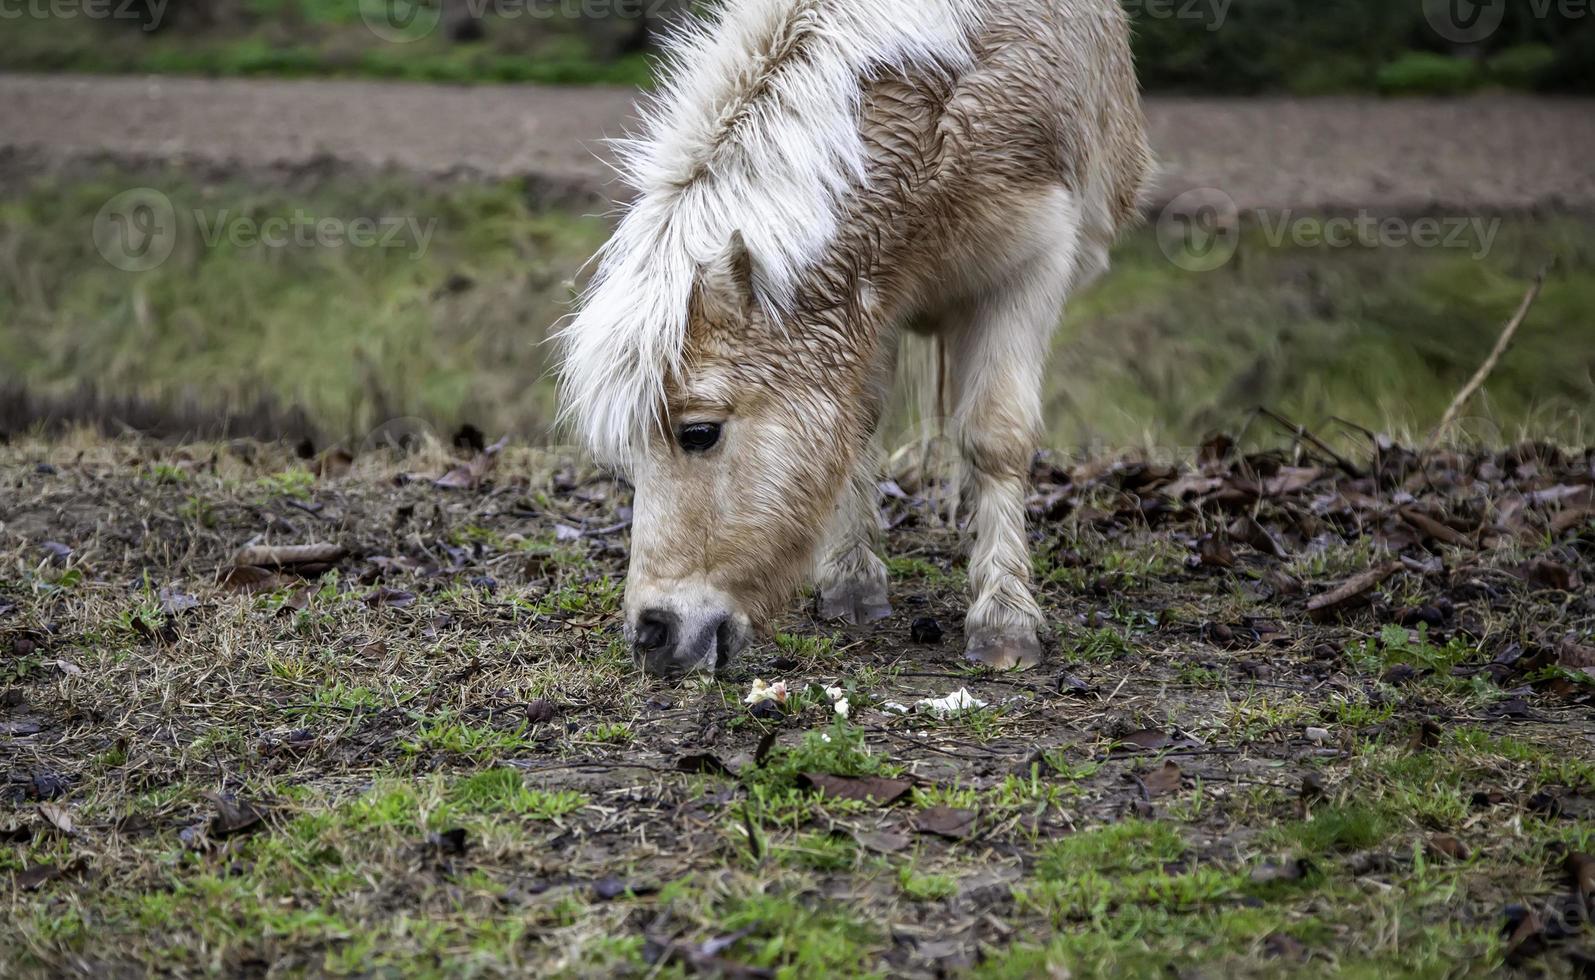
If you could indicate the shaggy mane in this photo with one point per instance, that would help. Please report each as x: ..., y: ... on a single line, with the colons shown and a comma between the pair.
x: 754, y: 128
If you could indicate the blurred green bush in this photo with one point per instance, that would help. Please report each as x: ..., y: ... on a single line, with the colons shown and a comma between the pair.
x: 1312, y: 47
x: 1237, y: 47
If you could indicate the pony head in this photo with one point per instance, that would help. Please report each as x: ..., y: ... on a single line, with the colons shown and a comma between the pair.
x: 737, y: 477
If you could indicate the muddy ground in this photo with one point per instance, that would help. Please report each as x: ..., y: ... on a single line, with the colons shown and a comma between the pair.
x: 1297, y: 715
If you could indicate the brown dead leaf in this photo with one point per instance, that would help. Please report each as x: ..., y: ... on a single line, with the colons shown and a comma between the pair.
x: 1282, y: 945
x: 869, y: 789
x: 470, y: 475
x: 1213, y: 551
x: 174, y: 602
x: 298, y: 601
x: 233, y: 816
x: 1245, y: 529
x: 332, y: 464
x: 951, y: 822
x: 1149, y: 739
x: 1447, y: 847
x: 1215, y: 448
x: 1576, y: 656
x: 1162, y: 781
x: 1191, y: 485
x: 1425, y: 736
x: 1546, y: 574
x: 385, y: 596
x: 540, y: 711
x: 250, y: 579
x: 1525, y: 934
x: 1291, y: 479
x: 1351, y: 590
x: 36, y: 876
x: 1581, y: 872
x: 1281, y: 583
x: 288, y: 555
x: 57, y: 817
x: 1571, y: 518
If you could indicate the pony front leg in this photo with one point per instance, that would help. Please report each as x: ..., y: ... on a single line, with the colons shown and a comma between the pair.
x: 849, y: 575
x: 998, y: 348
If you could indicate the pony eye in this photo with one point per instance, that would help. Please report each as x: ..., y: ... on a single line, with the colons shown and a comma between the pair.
x: 699, y: 436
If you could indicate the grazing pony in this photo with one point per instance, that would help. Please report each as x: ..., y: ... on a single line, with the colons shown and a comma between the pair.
x: 812, y: 177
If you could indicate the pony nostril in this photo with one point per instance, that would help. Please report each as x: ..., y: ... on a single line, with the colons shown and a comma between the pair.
x: 653, y: 631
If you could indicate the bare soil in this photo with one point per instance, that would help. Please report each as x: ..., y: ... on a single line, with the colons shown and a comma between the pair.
x: 1299, y: 713
x: 1461, y: 156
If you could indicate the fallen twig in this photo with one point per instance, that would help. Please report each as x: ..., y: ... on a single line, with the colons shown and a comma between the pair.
x: 284, y: 556
x: 1501, y: 344
x: 1300, y: 432
x: 1353, y: 588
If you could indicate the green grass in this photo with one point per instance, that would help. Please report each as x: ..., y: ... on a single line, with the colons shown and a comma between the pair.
x: 1381, y: 337
x: 450, y: 735
x: 354, y: 336
x: 331, y: 42
x: 1152, y: 355
x: 505, y: 791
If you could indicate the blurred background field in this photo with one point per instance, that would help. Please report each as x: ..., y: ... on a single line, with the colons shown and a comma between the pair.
x: 336, y: 341
x: 1228, y: 46
x: 228, y: 338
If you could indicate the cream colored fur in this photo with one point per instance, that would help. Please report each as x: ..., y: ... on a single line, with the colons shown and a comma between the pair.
x: 958, y: 165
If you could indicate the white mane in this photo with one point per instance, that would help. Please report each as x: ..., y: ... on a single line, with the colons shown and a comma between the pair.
x: 754, y: 128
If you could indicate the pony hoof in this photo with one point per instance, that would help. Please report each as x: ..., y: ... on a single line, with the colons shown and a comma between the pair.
x: 856, y: 603
x: 1004, y: 651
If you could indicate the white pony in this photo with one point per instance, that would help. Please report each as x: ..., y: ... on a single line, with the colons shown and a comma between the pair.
x: 812, y: 177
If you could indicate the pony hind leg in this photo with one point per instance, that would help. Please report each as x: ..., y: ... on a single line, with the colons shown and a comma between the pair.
x: 998, y: 346
x: 849, y: 576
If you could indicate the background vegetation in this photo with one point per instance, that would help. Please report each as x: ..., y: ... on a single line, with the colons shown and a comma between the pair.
x: 1240, y: 47
x: 356, y: 337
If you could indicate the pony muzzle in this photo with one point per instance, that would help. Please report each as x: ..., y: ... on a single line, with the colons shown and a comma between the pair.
x: 674, y: 642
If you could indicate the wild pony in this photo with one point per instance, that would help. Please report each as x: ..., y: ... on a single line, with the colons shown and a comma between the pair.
x: 811, y: 178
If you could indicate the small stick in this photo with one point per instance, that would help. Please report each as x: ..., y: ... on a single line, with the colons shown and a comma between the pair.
x: 1477, y: 381
x: 1300, y: 431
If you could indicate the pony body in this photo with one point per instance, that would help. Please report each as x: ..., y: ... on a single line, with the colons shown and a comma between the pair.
x: 813, y: 177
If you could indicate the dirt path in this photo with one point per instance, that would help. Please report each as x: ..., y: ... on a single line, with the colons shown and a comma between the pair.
x: 1482, y: 154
